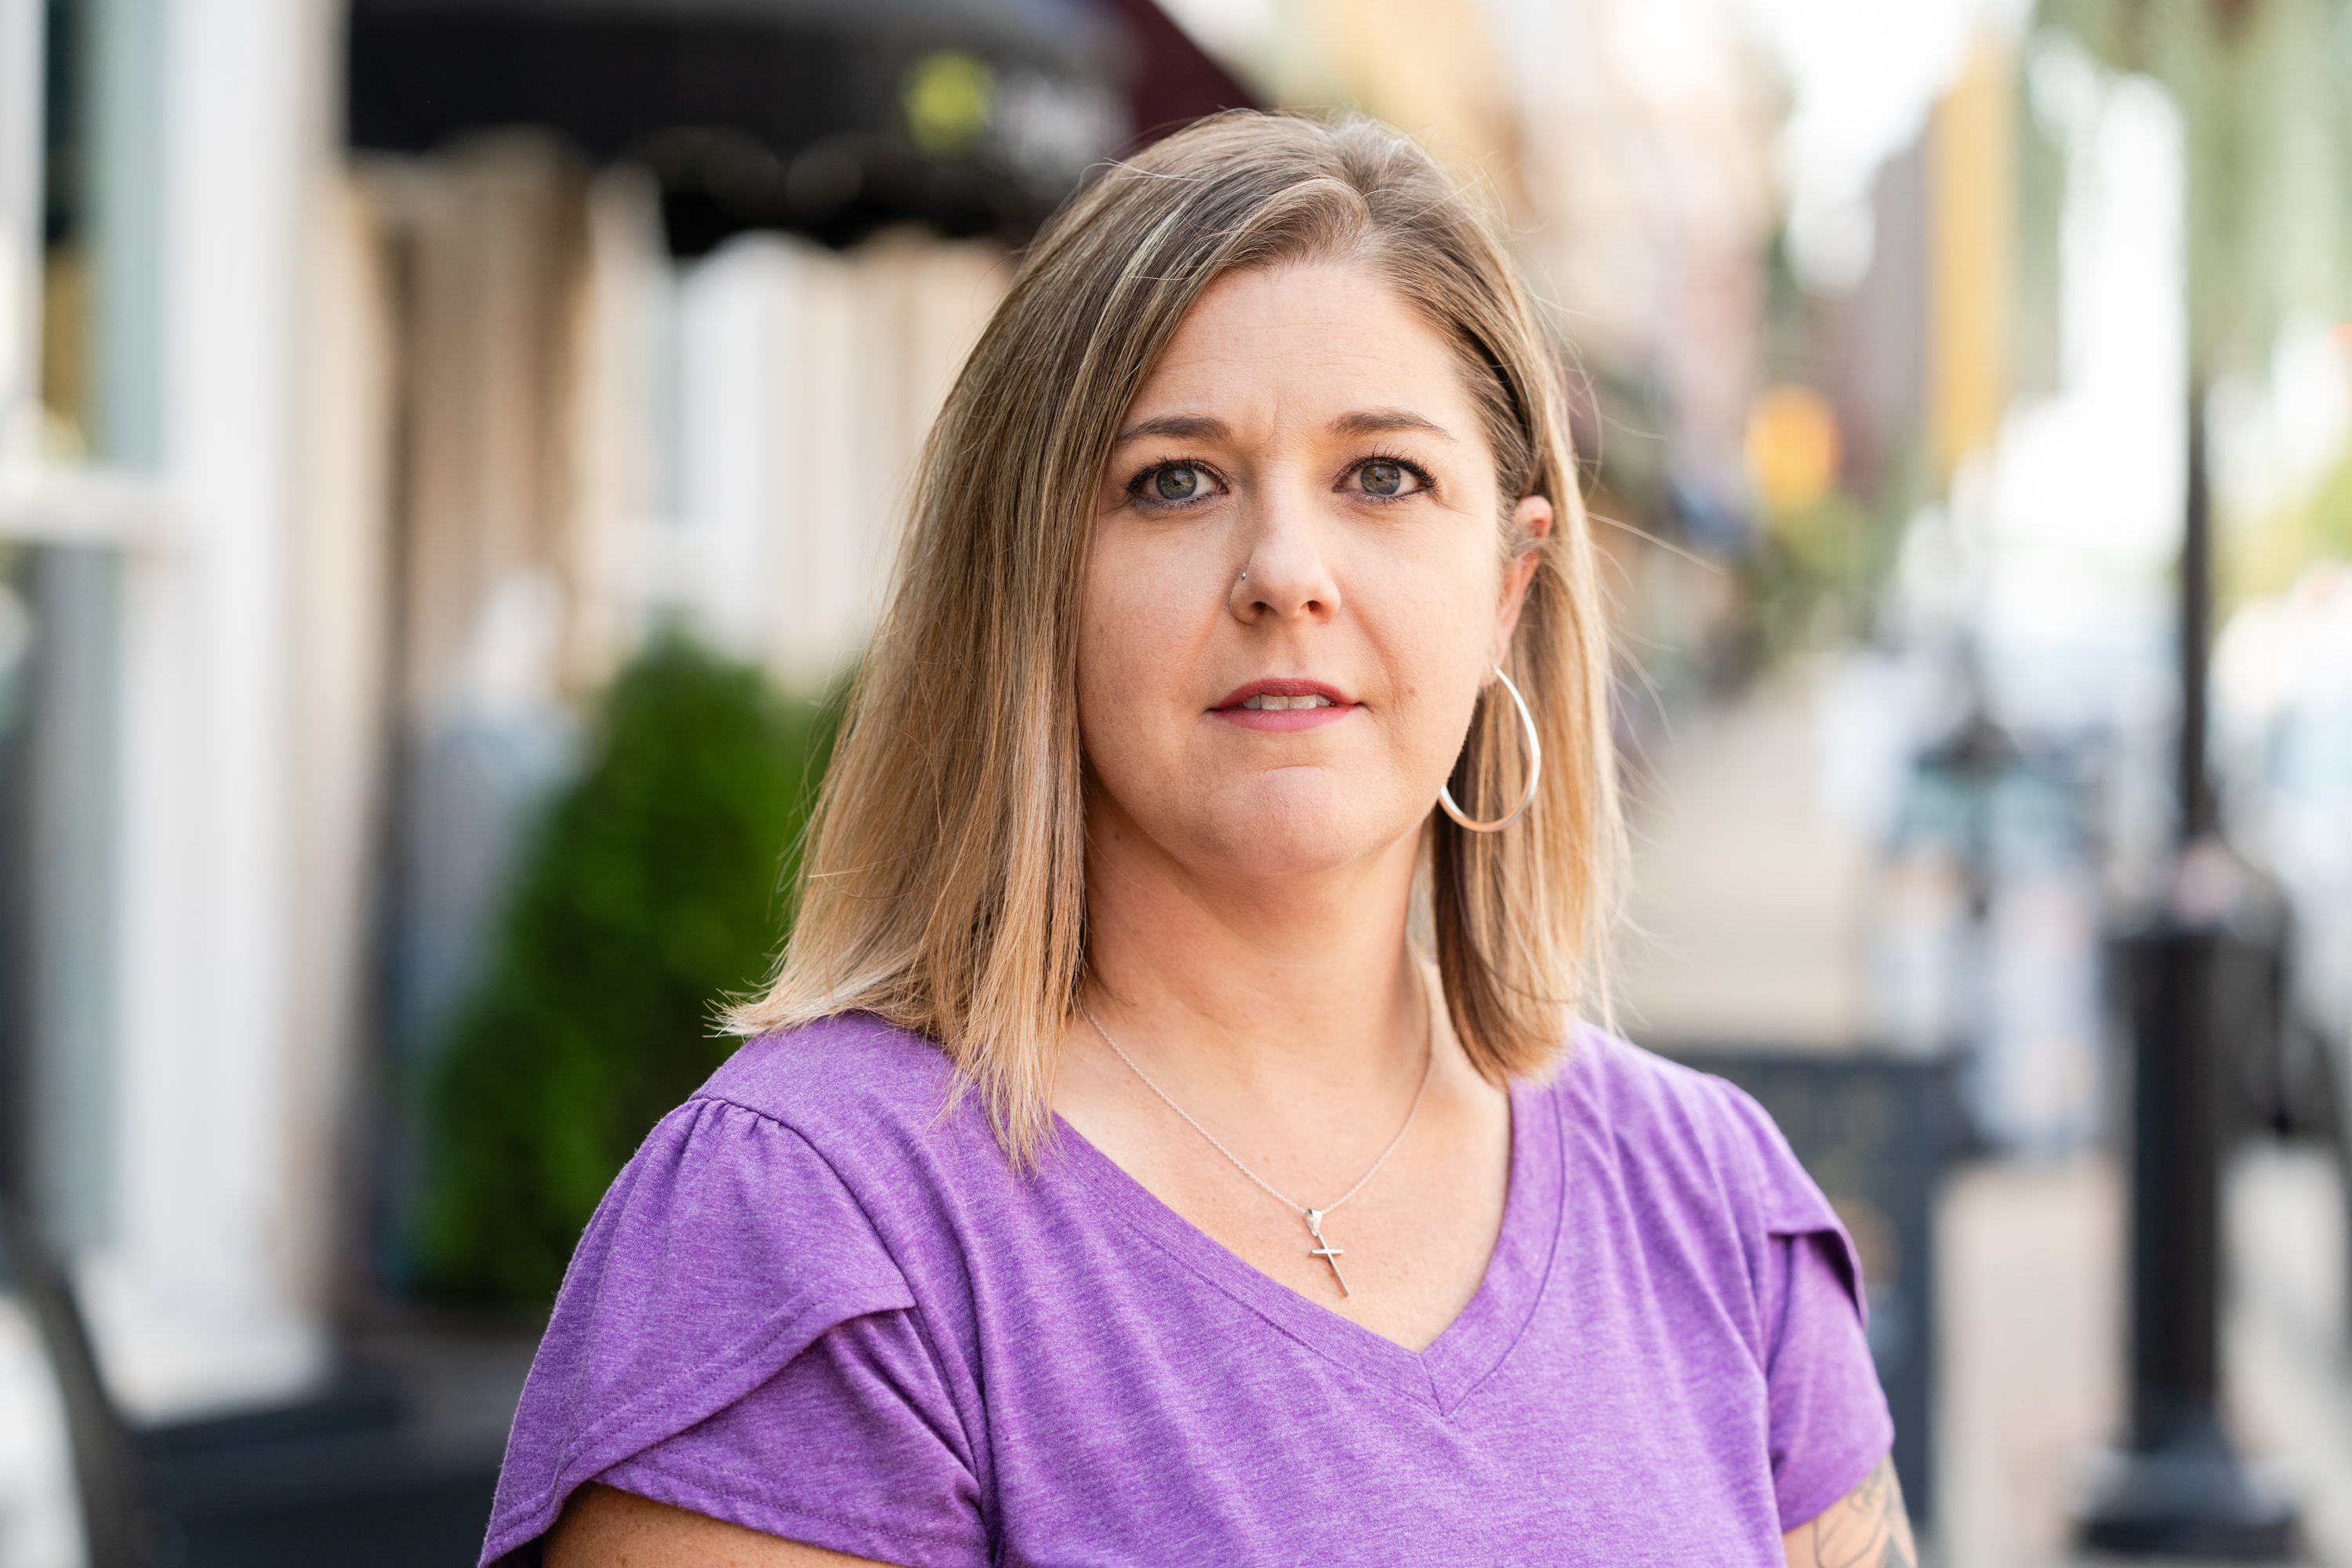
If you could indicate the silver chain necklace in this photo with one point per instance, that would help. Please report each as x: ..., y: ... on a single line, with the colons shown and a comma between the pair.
x: 1314, y: 1217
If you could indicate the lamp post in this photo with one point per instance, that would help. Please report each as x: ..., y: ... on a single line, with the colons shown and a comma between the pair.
x: 2178, y: 1488
x: 2192, y: 976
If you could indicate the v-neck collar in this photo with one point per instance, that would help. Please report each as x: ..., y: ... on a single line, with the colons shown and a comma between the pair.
x: 1466, y: 1350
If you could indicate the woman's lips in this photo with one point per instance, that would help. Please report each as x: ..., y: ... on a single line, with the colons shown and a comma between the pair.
x: 1282, y: 720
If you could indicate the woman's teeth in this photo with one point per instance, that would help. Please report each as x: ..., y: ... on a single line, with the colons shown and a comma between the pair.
x: 1263, y: 702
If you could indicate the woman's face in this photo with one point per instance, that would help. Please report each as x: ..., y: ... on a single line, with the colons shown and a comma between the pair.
x: 1296, y: 583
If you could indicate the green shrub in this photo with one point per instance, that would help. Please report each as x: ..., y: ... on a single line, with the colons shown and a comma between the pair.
x: 657, y: 882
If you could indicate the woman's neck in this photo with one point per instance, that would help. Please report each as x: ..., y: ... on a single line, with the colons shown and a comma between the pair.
x: 1301, y: 984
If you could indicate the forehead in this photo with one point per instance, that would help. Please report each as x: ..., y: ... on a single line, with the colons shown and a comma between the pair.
x: 1306, y: 340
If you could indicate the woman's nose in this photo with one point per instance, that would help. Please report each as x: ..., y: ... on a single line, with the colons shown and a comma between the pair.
x: 1286, y: 571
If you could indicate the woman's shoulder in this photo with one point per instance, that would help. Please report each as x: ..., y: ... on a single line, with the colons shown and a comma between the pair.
x: 851, y: 1068
x: 1639, y: 1094
x: 747, y: 1227
x: 873, y: 1104
x: 755, y: 1178
x: 1683, y: 1130
x: 761, y: 1210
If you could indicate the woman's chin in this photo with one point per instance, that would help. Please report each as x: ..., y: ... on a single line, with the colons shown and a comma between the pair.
x: 1291, y: 833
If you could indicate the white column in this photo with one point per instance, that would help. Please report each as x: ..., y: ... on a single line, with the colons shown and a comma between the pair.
x: 207, y: 1294
x: 728, y: 477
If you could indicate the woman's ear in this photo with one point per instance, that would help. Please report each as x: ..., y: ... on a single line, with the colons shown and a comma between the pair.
x: 1531, y: 521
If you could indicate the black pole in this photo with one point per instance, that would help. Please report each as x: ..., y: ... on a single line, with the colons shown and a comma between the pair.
x: 2180, y: 1488
x: 2176, y: 1227
x: 2198, y: 822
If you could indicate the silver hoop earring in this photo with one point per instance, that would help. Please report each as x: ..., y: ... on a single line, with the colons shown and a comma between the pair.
x: 1535, y: 769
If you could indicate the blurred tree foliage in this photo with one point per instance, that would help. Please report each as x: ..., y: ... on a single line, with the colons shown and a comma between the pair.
x: 2265, y: 92
x: 1813, y: 578
x: 657, y: 881
x: 2267, y: 119
x: 2268, y: 550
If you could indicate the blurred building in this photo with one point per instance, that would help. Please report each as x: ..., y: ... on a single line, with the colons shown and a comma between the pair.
x: 356, y: 421
x: 1650, y: 158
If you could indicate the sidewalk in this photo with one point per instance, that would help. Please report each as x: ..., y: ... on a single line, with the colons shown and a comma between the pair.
x: 2033, y: 1344
x: 2288, y: 1350
x: 1745, y: 896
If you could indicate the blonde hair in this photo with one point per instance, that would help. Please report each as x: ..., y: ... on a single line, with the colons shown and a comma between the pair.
x: 943, y: 882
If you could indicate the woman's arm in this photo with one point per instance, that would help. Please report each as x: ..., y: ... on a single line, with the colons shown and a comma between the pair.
x: 1865, y: 1529
x: 603, y: 1527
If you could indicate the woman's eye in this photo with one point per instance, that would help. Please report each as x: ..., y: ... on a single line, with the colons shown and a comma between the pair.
x: 1385, y: 477
x: 1174, y: 482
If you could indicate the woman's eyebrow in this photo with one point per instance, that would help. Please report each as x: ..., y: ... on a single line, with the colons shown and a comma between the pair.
x: 1378, y: 421
x: 1203, y: 427
x: 1176, y: 428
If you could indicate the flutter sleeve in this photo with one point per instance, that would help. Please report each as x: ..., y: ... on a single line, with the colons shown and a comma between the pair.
x: 1830, y: 1424
x: 733, y: 1337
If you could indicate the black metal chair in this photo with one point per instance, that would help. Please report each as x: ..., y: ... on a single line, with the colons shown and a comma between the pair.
x: 344, y: 1474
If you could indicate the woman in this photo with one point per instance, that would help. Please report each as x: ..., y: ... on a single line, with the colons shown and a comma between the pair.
x: 1110, y: 1178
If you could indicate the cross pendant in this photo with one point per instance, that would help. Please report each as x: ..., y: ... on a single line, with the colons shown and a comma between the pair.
x: 1324, y: 1249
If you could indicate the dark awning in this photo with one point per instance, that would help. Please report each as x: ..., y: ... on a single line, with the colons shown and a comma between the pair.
x: 1177, y: 81
x: 826, y: 117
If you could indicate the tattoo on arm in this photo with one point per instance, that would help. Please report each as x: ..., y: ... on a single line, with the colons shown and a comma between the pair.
x: 1867, y: 1528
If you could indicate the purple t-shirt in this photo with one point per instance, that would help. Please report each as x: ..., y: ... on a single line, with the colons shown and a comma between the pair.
x: 811, y: 1305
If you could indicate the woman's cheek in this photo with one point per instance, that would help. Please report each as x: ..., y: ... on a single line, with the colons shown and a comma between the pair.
x: 1127, y: 686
